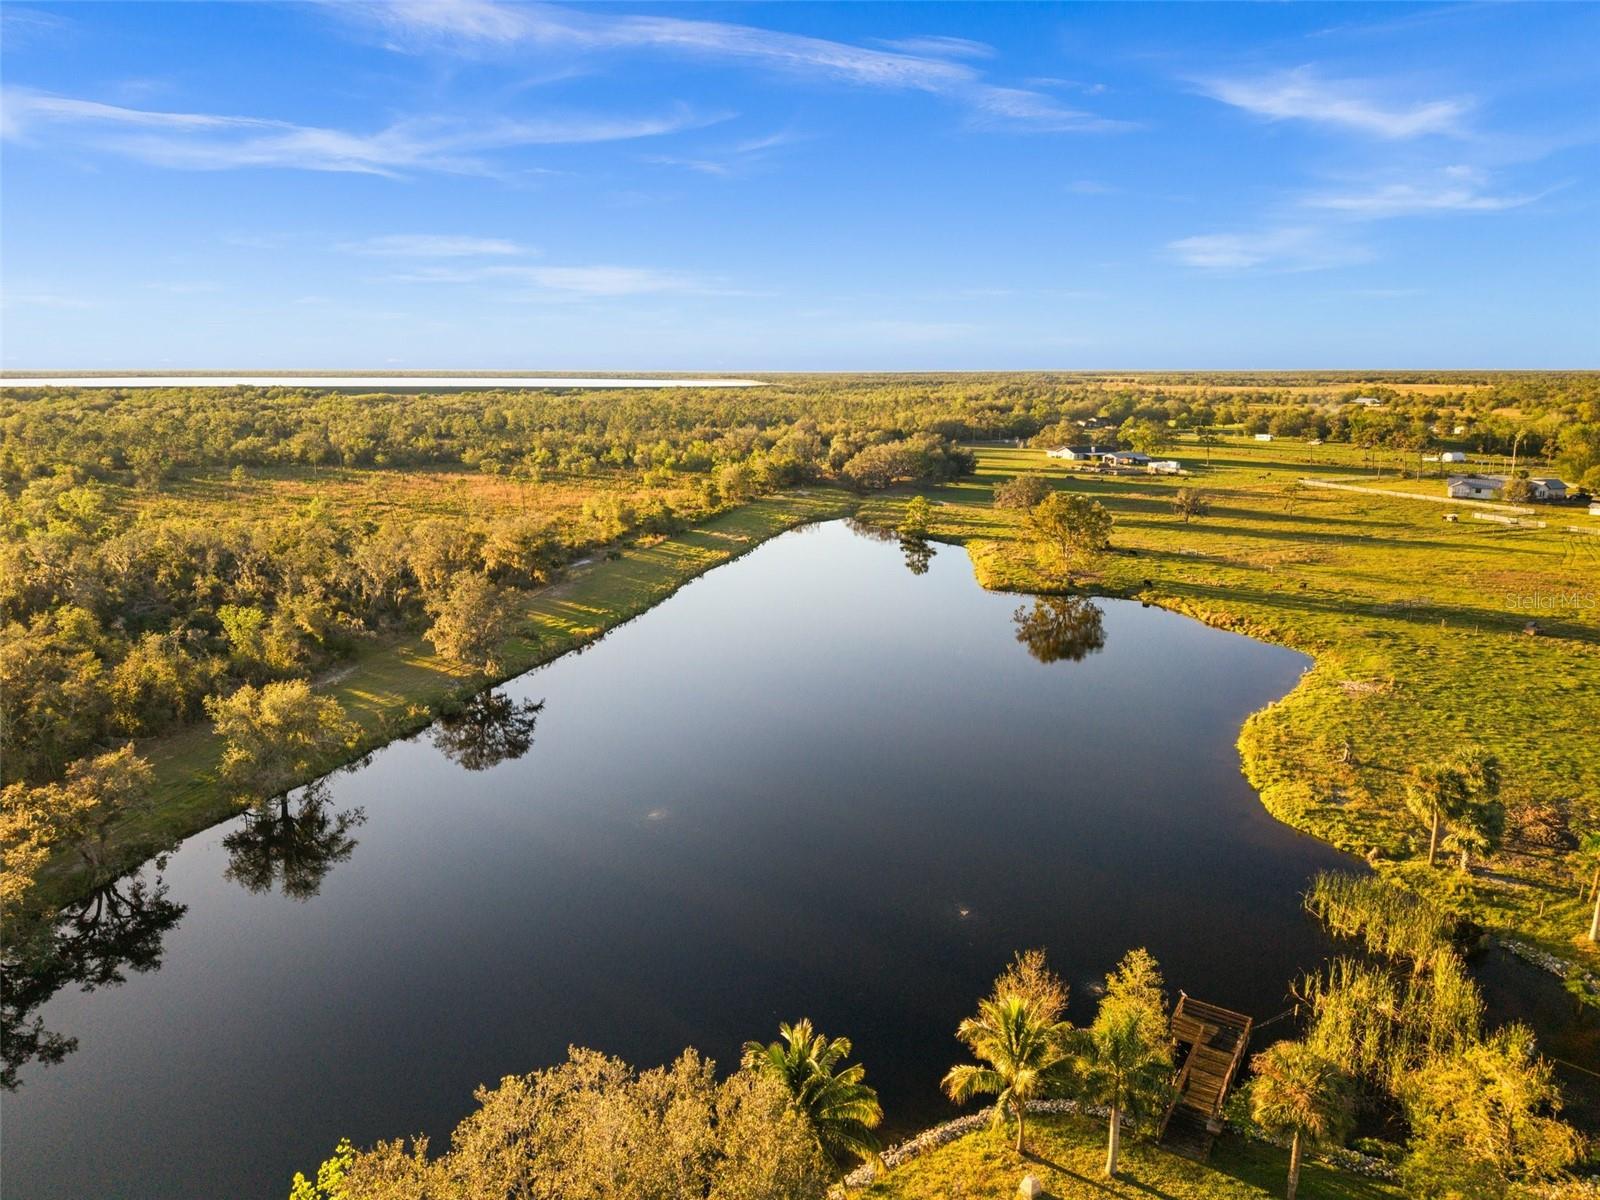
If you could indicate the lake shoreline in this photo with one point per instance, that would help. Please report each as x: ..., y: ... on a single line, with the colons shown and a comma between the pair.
x: 189, y: 799
x: 416, y: 710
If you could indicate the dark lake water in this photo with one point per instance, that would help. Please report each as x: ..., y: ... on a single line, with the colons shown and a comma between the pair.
x: 813, y: 783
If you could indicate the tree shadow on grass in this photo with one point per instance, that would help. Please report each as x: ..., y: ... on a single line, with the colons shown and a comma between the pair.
x: 1457, y: 617
x: 1099, y: 1185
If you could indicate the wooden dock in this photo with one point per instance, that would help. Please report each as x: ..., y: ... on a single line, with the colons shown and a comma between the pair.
x: 1212, y: 1041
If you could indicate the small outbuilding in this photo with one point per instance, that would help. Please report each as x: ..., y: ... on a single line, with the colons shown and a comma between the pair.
x: 1263, y: 437
x: 1453, y: 456
x: 1165, y: 466
x: 1125, y: 458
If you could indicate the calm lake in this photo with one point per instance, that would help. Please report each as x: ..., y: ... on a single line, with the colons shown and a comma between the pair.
x: 814, y: 783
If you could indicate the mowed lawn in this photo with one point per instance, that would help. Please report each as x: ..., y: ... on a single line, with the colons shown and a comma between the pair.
x: 1420, y: 628
x: 395, y: 687
x: 1066, y: 1155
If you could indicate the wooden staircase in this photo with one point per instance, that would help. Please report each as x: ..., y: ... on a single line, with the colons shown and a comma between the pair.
x: 1213, y: 1041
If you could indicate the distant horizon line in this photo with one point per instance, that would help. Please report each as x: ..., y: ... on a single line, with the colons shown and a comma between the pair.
x: 56, y: 376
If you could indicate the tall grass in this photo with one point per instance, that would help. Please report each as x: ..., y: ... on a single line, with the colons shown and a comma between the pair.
x: 1381, y: 1027
x: 1390, y: 922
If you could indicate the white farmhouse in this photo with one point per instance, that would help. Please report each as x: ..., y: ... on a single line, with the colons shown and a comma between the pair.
x: 1473, y: 487
x: 1076, y: 453
x: 1489, y: 487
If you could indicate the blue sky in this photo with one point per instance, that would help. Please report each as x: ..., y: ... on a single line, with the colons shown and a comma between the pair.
x: 799, y: 187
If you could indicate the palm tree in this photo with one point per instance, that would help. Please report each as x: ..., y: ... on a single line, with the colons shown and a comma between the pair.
x: 1589, y: 852
x: 1298, y: 1092
x: 1481, y: 770
x: 842, y: 1110
x: 1127, y: 1066
x: 1024, y: 1047
x: 1125, y: 1057
x: 1476, y: 831
x: 1436, y: 793
x: 1481, y: 818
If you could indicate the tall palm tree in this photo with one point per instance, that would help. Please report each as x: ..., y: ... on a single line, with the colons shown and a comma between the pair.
x: 1436, y: 793
x: 1024, y: 1047
x: 1126, y: 1059
x: 842, y: 1110
x: 1481, y: 770
x: 1589, y: 851
x: 1298, y: 1092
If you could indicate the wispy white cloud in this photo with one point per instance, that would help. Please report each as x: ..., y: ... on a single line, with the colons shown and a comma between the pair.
x: 23, y: 299
x: 1286, y: 248
x: 940, y: 46
x: 1020, y: 108
x: 210, y: 141
x: 1071, y: 85
x: 184, y: 287
x: 477, y: 25
x: 1455, y: 190
x: 434, y: 245
x: 1302, y: 94
x: 25, y: 26
x: 725, y: 162
x: 593, y: 280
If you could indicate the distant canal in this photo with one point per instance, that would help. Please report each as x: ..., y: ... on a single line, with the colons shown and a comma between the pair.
x: 829, y: 780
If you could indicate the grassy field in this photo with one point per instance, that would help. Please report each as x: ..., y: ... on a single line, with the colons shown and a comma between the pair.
x: 377, y: 494
x: 1066, y: 1156
x: 396, y: 687
x: 1420, y: 629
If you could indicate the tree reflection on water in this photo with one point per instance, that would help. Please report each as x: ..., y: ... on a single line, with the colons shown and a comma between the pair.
x: 491, y: 729
x: 1061, y: 628
x: 918, y: 555
x: 92, y: 944
x: 291, y: 842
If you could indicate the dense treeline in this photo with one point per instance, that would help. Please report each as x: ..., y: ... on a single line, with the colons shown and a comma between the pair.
x: 780, y: 430
x: 119, y: 623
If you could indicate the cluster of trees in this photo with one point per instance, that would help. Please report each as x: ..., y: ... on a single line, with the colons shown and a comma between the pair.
x: 927, y: 459
x: 1403, y: 1030
x: 594, y: 1126
x: 1027, y: 1050
x: 1457, y: 800
x: 780, y: 1128
x: 274, y: 736
x: 1072, y: 528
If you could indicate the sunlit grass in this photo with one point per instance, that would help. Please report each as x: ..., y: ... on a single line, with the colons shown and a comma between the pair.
x: 1067, y: 1153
